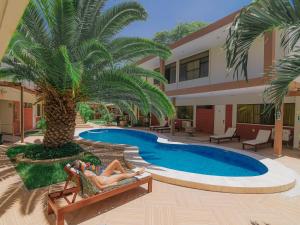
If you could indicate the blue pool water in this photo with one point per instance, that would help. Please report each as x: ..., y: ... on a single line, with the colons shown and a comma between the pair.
x: 184, y: 157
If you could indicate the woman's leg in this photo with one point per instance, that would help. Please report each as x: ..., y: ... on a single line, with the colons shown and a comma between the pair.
x: 118, y: 177
x: 114, y: 165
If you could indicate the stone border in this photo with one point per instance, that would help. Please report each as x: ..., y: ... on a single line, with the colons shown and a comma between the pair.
x: 21, y: 158
x: 278, y: 178
x: 98, y: 144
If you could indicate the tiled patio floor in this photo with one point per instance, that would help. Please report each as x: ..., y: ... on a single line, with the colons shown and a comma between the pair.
x: 166, y: 205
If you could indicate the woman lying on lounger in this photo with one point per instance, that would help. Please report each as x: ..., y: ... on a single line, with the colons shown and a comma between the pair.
x: 110, y: 176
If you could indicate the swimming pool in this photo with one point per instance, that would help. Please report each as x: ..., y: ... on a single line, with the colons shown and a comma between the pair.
x: 207, y: 160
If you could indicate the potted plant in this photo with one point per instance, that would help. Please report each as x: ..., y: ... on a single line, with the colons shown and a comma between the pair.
x: 123, y: 121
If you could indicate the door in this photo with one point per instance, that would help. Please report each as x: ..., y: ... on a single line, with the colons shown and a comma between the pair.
x: 205, y: 119
x: 28, y: 118
x: 219, y: 124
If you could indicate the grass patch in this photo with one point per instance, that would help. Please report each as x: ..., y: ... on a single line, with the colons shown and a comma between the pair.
x: 38, y: 151
x: 41, y: 175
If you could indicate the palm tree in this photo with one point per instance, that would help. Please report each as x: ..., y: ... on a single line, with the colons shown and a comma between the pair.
x: 260, y: 17
x: 70, y: 51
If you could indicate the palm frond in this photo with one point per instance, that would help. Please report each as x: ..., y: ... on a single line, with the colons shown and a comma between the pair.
x: 35, y: 25
x: 130, y: 49
x: 72, y: 71
x: 285, y: 72
x: 131, y: 70
x: 69, y: 46
x: 65, y: 22
x: 118, y: 17
x: 87, y: 13
x: 253, y: 21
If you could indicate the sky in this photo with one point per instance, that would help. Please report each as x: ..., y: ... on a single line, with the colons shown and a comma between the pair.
x: 165, y: 14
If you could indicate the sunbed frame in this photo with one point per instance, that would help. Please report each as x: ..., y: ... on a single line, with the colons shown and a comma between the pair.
x: 162, y: 129
x: 218, y: 139
x: 155, y: 127
x: 255, y: 146
x: 73, y: 205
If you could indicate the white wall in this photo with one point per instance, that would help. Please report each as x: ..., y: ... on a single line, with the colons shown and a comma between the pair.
x: 250, y: 98
x: 217, y: 67
x: 13, y: 94
x: 6, y: 116
x: 219, y: 119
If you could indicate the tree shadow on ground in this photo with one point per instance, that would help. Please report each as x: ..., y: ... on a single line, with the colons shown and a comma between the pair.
x: 104, y: 206
x: 16, y: 192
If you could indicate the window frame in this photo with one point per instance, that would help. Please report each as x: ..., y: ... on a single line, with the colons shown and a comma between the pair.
x: 262, y: 119
x: 198, y: 60
x: 190, y: 109
x: 170, y: 67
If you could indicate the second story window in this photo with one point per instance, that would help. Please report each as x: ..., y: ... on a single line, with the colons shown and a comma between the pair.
x: 170, y: 73
x: 194, y: 67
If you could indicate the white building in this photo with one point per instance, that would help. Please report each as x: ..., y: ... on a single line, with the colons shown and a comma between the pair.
x: 205, y: 94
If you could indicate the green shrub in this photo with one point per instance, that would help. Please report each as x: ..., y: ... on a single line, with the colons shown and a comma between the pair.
x: 41, y: 175
x: 85, y: 111
x: 41, y: 124
x: 39, y: 152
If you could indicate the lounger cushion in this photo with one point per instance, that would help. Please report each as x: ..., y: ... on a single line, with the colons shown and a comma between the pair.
x: 253, y: 142
x: 229, y: 134
x: 230, y: 131
x: 261, y: 138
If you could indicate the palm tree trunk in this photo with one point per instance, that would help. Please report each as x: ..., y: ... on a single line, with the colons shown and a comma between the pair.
x: 60, y: 114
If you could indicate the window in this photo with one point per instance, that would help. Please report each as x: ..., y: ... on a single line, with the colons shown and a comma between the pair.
x: 194, y: 67
x: 255, y: 114
x: 170, y: 73
x: 289, y: 114
x: 38, y: 110
x: 27, y: 105
x: 185, y: 112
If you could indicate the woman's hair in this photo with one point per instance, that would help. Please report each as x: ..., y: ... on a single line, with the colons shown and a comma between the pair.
x: 76, y: 164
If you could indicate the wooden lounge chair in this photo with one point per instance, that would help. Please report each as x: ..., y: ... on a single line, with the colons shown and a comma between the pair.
x: 163, y: 129
x: 229, y: 135
x: 90, y: 195
x: 156, y: 127
x: 262, y: 138
x: 166, y: 124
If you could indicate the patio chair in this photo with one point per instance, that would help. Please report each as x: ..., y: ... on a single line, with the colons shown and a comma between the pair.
x: 89, y: 192
x: 229, y: 135
x: 286, y: 136
x: 262, y: 138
